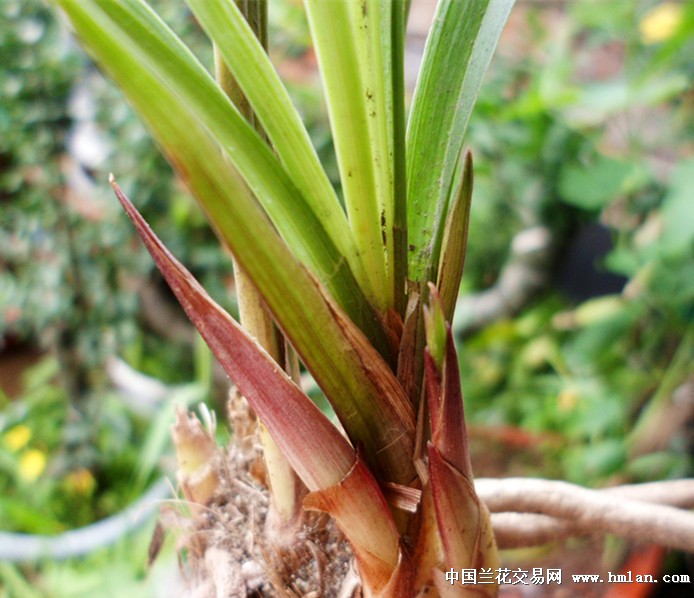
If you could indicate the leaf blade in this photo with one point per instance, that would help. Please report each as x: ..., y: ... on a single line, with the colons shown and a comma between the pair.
x: 290, y: 415
x: 339, y: 37
x: 457, y: 53
x: 340, y: 482
x: 324, y: 250
x: 454, y: 242
x: 271, y: 104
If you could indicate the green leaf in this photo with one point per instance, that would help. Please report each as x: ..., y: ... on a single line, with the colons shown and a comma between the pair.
x: 678, y: 220
x: 353, y: 53
x: 227, y: 201
x: 145, y: 38
x: 597, y: 102
x: 399, y: 255
x: 267, y: 96
x: 351, y: 373
x: 454, y: 243
x: 435, y: 328
x: 594, y: 185
x: 458, y: 51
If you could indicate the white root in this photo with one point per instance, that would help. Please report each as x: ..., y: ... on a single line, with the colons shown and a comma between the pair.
x: 528, y: 512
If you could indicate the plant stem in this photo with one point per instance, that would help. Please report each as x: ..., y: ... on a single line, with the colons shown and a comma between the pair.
x: 285, y: 487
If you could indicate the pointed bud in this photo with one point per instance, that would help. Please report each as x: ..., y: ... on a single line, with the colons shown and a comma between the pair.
x: 197, y: 456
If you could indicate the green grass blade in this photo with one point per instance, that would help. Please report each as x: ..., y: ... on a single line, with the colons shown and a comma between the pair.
x: 346, y: 42
x: 458, y: 51
x: 144, y: 35
x: 373, y: 26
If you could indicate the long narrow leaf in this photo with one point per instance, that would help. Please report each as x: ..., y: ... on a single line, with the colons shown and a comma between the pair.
x: 399, y: 254
x: 458, y: 51
x: 373, y: 22
x: 267, y: 96
x: 288, y: 413
x: 329, y: 252
x: 454, y: 243
x: 351, y: 104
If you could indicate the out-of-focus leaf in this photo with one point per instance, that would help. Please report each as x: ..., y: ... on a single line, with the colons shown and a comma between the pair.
x: 197, y: 456
x: 678, y: 213
x: 594, y: 185
x: 159, y: 434
x: 597, y: 102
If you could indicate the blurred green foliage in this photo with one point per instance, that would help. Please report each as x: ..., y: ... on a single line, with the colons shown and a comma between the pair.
x: 70, y: 273
x: 46, y: 488
x: 596, y: 123
x: 70, y: 266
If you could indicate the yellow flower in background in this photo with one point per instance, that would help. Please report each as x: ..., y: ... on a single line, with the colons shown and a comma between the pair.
x: 81, y: 481
x: 661, y: 22
x: 16, y: 438
x: 568, y: 399
x: 31, y: 464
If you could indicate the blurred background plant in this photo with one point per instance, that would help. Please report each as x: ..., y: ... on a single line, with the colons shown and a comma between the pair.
x: 594, y: 144
x: 575, y: 378
x: 75, y: 290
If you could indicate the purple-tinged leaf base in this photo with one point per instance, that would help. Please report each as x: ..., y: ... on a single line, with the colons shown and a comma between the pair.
x: 290, y: 416
x: 360, y: 510
x: 464, y: 527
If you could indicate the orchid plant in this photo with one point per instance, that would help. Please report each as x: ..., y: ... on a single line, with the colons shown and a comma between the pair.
x: 360, y: 285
